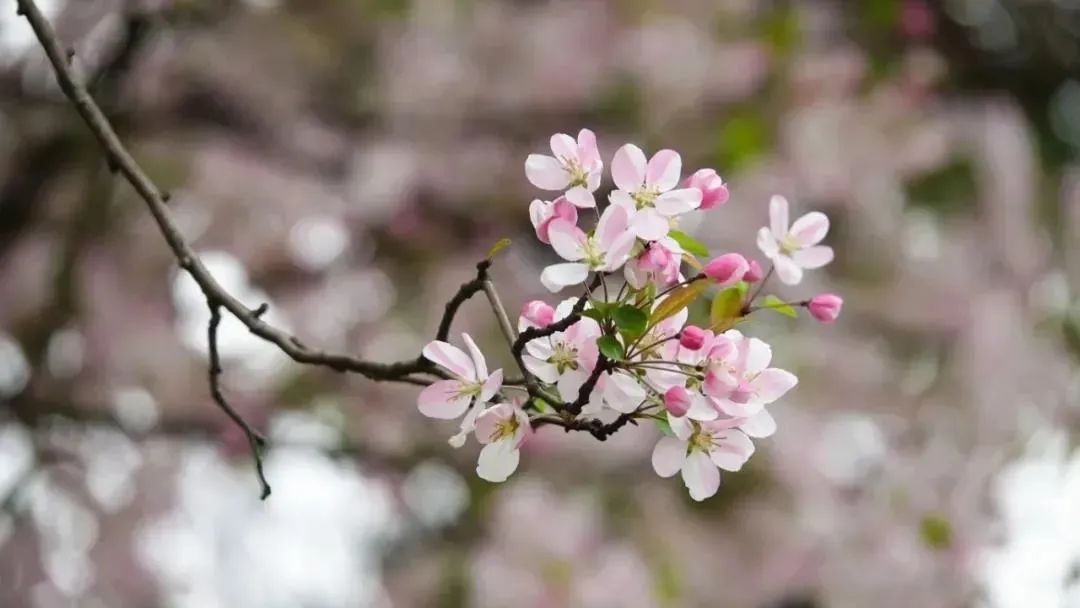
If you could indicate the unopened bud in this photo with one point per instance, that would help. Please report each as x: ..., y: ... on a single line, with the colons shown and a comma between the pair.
x: 713, y: 190
x: 677, y: 401
x: 692, y: 337
x: 539, y: 313
x: 825, y: 307
x: 727, y: 269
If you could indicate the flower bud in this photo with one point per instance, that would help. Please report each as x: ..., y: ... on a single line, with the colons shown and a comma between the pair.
x: 692, y: 337
x: 677, y: 401
x: 753, y: 274
x: 656, y: 258
x: 713, y: 190
x: 539, y: 313
x: 825, y: 307
x: 727, y: 269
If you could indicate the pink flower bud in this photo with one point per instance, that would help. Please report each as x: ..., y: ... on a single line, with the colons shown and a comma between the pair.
x: 539, y: 313
x: 656, y: 258
x: 713, y: 190
x: 825, y: 307
x: 727, y: 269
x: 754, y: 273
x: 692, y: 337
x: 677, y: 401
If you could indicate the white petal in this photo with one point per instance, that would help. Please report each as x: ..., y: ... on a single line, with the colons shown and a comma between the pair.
x: 773, y: 383
x: 539, y: 211
x: 588, y: 154
x: 498, y: 460
x: 809, y: 229
x: 678, y: 202
x: 731, y: 450
x: 477, y: 357
x: 668, y: 456
x: 581, y: 197
x: 649, y: 225
x: 681, y: 426
x: 442, y: 400
x: 546, y: 172
x: 758, y: 355
x: 813, y: 257
x: 778, y: 216
x: 623, y: 199
x: 567, y: 240
x: 663, y: 170
x: 613, y: 223
x: 700, y: 475
x: 491, y: 385
x: 557, y: 276
x: 570, y: 383
x: 628, y: 168
x: 789, y: 272
x: 767, y: 243
x: 564, y: 147
x: 623, y: 393
x: 759, y: 425
x: 619, y: 252
x: 451, y: 358
x: 546, y: 372
x: 700, y: 409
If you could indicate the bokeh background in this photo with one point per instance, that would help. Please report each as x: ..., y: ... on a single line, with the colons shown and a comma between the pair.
x: 348, y: 161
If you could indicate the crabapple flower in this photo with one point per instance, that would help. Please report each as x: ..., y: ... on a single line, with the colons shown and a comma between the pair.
x: 537, y: 313
x: 746, y: 383
x: 714, y: 191
x: 542, y: 213
x: 565, y: 358
x: 606, y: 250
x: 727, y: 269
x: 692, y: 337
x: 794, y: 249
x: 471, y: 385
x: 502, y: 429
x: 658, y: 262
x: 699, y: 450
x: 825, y: 307
x: 575, y: 165
x: 647, y: 190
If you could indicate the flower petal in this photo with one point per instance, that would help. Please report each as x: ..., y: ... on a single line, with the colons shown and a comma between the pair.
x: 543, y: 370
x: 491, y: 385
x: 628, y: 168
x: 757, y: 355
x: 773, y: 383
x: 588, y: 153
x: 570, y: 383
x: 489, y: 419
x: 567, y: 240
x: 701, y: 476
x: 663, y: 170
x: 649, y: 225
x: 564, y: 147
x: 613, y: 223
x: 766, y: 242
x: 759, y: 425
x: 442, y: 400
x: 498, y: 461
x: 451, y: 358
x: 678, y: 202
x: 681, y: 426
x: 813, y: 257
x: 701, y: 409
x: 731, y: 450
x: 557, y: 276
x: 623, y: 393
x: 778, y: 216
x: 581, y: 197
x: 809, y: 229
x: 619, y: 252
x: 546, y: 172
x: 668, y: 456
x: 789, y: 272
x: 477, y: 357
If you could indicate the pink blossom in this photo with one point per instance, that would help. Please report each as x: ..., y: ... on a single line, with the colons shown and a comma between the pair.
x: 575, y: 165
x: 564, y: 358
x: 542, y: 213
x: 699, y: 450
x: 796, y: 248
x: 727, y: 269
x: 606, y: 250
x: 659, y: 262
x: 714, y: 192
x: 502, y: 429
x: 692, y: 337
x: 471, y: 384
x: 753, y: 273
x: 647, y: 190
x: 743, y: 385
x: 537, y: 313
x: 825, y: 307
x: 677, y: 401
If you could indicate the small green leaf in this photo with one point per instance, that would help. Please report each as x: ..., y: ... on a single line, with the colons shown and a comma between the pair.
x: 774, y: 303
x: 610, y: 347
x: 936, y: 531
x: 664, y: 426
x: 630, y: 320
x: 689, y: 243
x: 726, y: 309
x: 677, y: 300
x: 497, y: 247
x: 593, y: 313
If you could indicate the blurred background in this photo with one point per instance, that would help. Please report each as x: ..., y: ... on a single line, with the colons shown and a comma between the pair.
x: 348, y: 161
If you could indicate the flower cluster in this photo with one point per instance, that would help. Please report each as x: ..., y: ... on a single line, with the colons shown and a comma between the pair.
x: 625, y: 349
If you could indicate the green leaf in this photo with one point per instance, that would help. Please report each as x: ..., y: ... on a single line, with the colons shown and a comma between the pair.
x: 664, y: 426
x: 593, y: 313
x: 630, y: 320
x: 677, y: 300
x: 774, y: 303
x: 689, y: 243
x: 497, y: 247
x: 936, y: 531
x: 610, y: 347
x: 726, y: 309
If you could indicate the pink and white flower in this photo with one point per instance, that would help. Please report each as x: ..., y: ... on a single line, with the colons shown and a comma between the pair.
x: 575, y: 165
x: 744, y: 385
x: 647, y: 190
x: 502, y: 429
x: 566, y: 358
x: 471, y: 385
x: 542, y: 213
x: 658, y: 262
x: 794, y: 249
x: 606, y: 250
x: 699, y: 450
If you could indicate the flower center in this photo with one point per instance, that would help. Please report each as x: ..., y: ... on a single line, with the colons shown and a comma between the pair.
x: 788, y: 245
x: 701, y: 440
x: 564, y: 358
x: 578, y: 175
x: 470, y: 390
x: 505, y: 429
x: 645, y: 197
x: 594, y: 257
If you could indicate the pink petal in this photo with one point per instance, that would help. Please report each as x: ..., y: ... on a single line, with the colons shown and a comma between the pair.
x: 649, y: 225
x: 451, y: 358
x: 778, y: 216
x: 758, y: 355
x: 613, y: 223
x: 701, y: 476
x: 546, y: 172
x: 567, y: 240
x: 498, y: 461
x: 628, y: 168
x: 477, y: 357
x: 813, y: 257
x: 557, y: 276
x: 701, y: 409
x: 491, y: 385
x: 581, y: 197
x: 809, y: 229
x: 619, y: 252
x: 731, y: 450
x: 668, y: 456
x: 759, y: 425
x: 737, y: 409
x: 442, y: 400
x: 767, y: 243
x: 588, y: 154
x: 564, y: 147
x: 677, y: 202
x: 663, y: 170
x: 789, y: 272
x: 773, y: 383
x: 489, y: 419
